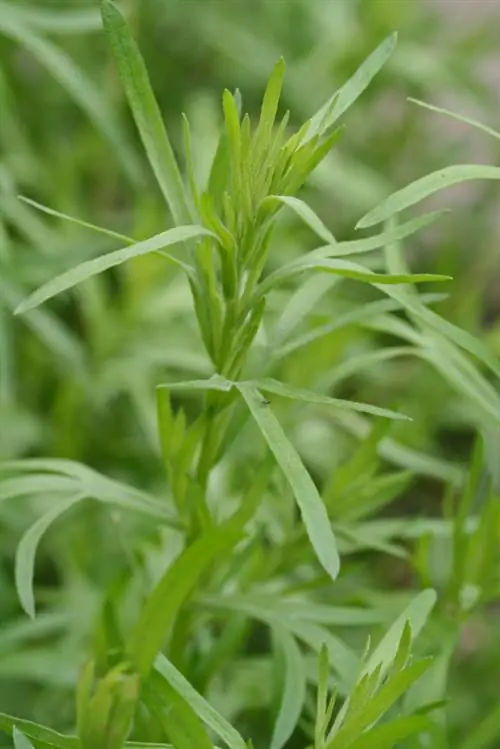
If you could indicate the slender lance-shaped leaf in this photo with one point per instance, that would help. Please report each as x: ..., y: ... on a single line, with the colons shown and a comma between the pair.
x: 388, y: 236
x: 97, y: 265
x: 26, y: 551
x: 77, y: 221
x: 270, y: 385
x: 424, y: 187
x: 310, y: 504
x: 207, y: 714
x: 294, y: 690
x: 455, y: 116
x: 134, y: 77
x: 351, y: 90
x: 345, y: 269
x: 38, y: 733
x: 20, y: 740
x: 305, y: 213
x: 167, y: 597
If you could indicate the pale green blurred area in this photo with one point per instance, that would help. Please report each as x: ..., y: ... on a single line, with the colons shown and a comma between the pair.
x: 77, y: 376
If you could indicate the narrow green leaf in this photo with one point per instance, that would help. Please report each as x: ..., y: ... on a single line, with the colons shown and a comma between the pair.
x: 388, y: 236
x: 20, y: 740
x: 164, y: 602
x: 455, y: 116
x: 416, y: 615
x: 26, y: 551
x: 269, y: 109
x: 216, y: 382
x: 135, y: 80
x: 294, y: 689
x: 97, y: 265
x: 391, y: 734
x: 287, y: 391
x: 311, y: 506
x: 205, y: 712
x: 38, y: 733
x: 424, y: 187
x: 178, y: 720
x: 345, y: 269
x: 351, y: 90
x: 77, y: 221
x: 305, y: 213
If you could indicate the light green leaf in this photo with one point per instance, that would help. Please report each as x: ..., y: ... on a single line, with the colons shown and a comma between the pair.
x: 305, y: 213
x: 97, y: 265
x: 269, y: 108
x: 20, y: 740
x: 391, y: 734
x: 345, y: 269
x: 310, y: 504
x: 388, y: 236
x: 294, y: 689
x: 216, y: 382
x: 287, y: 391
x: 36, y: 732
x: 424, y: 187
x: 135, y: 80
x: 77, y: 221
x: 205, y: 712
x: 351, y: 90
x: 164, y: 602
x: 455, y: 116
x: 416, y: 614
x: 26, y: 551
x: 176, y: 717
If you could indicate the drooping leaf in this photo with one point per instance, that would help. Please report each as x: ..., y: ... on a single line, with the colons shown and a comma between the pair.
x: 294, y: 689
x: 205, y: 712
x: 424, y: 187
x: 77, y: 221
x: 269, y: 385
x: 455, y: 116
x: 26, y: 551
x: 311, y: 506
x: 97, y: 265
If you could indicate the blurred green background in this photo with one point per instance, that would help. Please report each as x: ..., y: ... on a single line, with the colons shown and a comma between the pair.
x: 77, y: 375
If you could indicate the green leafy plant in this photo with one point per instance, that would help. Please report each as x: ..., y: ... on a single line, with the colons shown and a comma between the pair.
x: 225, y: 551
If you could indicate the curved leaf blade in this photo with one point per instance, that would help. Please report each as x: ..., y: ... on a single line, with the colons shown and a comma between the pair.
x: 424, y: 187
x: 26, y: 551
x: 309, y: 502
x: 97, y: 265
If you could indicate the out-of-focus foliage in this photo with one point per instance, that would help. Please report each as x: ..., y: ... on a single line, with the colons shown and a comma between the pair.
x: 78, y: 375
